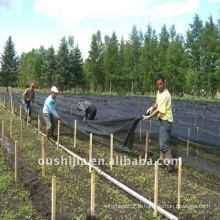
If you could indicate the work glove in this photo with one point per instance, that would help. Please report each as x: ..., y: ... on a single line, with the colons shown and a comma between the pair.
x: 145, y: 117
x: 149, y: 110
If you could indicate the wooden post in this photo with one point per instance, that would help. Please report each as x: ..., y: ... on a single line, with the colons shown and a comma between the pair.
x: 20, y: 111
x: 74, y: 141
x: 4, y: 102
x: 16, y: 162
x: 90, y: 152
x: 140, y: 132
x: 21, y: 134
x: 38, y: 124
x: 187, y: 148
x: 10, y: 128
x: 197, y: 145
x: 156, y: 188
x: 179, y: 182
x: 3, y: 136
x: 147, y: 143
x: 92, y: 192
x: 58, y: 134
x: 111, y: 153
x: 43, y: 156
x: 53, y: 199
x: 13, y: 107
x: 28, y: 116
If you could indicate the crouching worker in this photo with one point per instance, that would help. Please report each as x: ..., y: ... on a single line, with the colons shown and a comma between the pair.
x: 50, y: 114
x: 28, y: 100
x: 88, y: 110
x: 162, y: 108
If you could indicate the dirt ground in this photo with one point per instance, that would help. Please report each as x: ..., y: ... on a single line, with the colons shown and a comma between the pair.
x: 200, y: 190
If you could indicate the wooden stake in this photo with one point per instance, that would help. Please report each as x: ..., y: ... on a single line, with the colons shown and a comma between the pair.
x: 27, y: 116
x: 187, y: 148
x: 58, y: 134
x: 4, y: 102
x: 16, y: 162
x: 92, y: 192
x: 74, y: 141
x: 111, y: 153
x: 90, y: 152
x: 147, y: 143
x: 43, y: 156
x: 3, y: 136
x: 140, y: 132
x: 21, y: 134
x: 10, y: 128
x: 38, y: 124
x: 156, y: 188
x: 20, y: 112
x: 53, y: 199
x: 13, y: 107
x: 179, y: 182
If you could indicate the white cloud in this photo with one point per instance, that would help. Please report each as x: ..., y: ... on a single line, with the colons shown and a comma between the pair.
x: 74, y: 11
x: 174, y: 8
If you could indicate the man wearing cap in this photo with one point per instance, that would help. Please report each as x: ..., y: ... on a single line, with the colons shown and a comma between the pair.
x: 28, y: 99
x: 88, y: 110
x: 50, y: 113
x: 162, y: 108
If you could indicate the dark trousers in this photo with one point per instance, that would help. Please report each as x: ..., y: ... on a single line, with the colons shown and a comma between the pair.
x: 91, y: 112
x: 27, y: 106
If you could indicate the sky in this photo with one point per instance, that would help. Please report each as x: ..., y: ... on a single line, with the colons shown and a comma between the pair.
x: 33, y: 23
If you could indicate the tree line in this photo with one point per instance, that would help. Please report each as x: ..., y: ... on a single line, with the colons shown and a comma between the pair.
x: 190, y: 64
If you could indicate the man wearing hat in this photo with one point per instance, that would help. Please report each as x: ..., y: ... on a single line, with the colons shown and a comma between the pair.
x: 88, y: 110
x: 28, y: 99
x: 50, y: 113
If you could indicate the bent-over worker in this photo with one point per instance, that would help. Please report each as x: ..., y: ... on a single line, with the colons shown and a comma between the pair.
x: 88, y: 110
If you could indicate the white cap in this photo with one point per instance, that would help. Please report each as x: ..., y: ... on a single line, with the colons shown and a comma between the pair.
x: 54, y: 89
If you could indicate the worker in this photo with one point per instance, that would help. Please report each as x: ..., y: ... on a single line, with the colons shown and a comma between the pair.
x: 50, y: 113
x: 88, y: 110
x: 28, y: 100
x: 162, y: 108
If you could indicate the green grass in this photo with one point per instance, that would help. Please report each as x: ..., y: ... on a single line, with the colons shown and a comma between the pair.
x: 15, y: 202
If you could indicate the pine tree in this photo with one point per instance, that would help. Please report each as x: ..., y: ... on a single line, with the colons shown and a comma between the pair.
x: 111, y: 61
x: 49, y: 66
x: 134, y: 52
x: 176, y: 65
x: 63, y: 79
x: 194, y: 48
x: 148, y: 60
x: 95, y: 62
x: 210, y: 50
x: 162, y: 49
x: 9, y: 64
